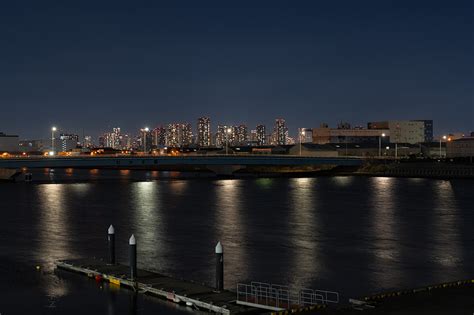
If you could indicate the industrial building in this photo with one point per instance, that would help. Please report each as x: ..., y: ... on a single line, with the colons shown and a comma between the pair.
x: 324, y: 135
x: 405, y: 131
x: 460, y: 148
x: 9, y: 143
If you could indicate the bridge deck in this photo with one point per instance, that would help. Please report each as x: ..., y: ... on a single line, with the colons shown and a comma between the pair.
x: 163, y: 161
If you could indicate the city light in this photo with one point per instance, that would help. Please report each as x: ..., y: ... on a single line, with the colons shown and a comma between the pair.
x: 53, y: 129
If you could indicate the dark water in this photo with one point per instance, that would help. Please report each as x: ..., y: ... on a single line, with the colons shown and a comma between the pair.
x: 353, y: 235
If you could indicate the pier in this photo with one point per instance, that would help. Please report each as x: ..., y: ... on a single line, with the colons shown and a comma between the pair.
x: 196, y: 295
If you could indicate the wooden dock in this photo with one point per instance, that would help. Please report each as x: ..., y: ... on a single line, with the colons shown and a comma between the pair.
x: 200, y: 296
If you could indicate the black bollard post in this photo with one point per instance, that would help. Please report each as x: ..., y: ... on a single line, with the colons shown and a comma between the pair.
x: 133, y: 257
x: 111, y: 241
x: 133, y: 303
x: 219, y: 267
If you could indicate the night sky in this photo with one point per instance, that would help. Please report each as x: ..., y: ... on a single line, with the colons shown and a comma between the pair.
x: 98, y: 64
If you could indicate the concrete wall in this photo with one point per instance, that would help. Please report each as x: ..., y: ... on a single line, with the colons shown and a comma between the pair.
x: 460, y: 148
x: 9, y: 143
x: 295, y: 150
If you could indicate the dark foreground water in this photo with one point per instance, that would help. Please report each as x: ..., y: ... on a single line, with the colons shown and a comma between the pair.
x: 353, y: 235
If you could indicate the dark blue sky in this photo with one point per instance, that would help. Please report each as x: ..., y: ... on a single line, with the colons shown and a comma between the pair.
x: 99, y: 64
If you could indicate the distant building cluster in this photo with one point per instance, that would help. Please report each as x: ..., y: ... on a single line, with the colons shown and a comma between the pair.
x: 181, y: 135
x: 377, y: 138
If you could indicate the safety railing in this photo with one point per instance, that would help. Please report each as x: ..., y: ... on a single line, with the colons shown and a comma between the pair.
x: 280, y: 296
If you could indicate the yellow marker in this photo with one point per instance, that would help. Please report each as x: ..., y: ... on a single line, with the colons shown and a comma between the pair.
x: 114, y: 281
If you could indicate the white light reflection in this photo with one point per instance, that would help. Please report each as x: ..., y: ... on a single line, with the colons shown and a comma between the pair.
x: 178, y: 187
x: 54, y: 233
x: 80, y: 188
x: 150, y: 230
x: 304, y: 232
x: 386, y: 247
x: 229, y: 223
x: 343, y: 180
x: 447, y: 248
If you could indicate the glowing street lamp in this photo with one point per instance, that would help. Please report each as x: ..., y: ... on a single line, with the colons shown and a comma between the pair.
x: 302, y: 133
x: 441, y: 138
x: 146, y: 130
x: 53, y: 129
x: 228, y: 131
x: 380, y: 143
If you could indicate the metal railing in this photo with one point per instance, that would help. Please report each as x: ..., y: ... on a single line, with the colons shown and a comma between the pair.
x: 284, y: 297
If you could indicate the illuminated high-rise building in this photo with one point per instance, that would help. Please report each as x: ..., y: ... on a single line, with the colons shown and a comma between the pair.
x: 241, y: 137
x: 187, y: 135
x: 179, y: 135
x: 280, y: 132
x: 68, y: 142
x: 158, y: 137
x: 173, y: 138
x: 112, y: 139
x: 261, y: 136
x: 87, y: 142
x: 221, y: 135
x: 145, y: 140
x: 204, y: 132
x: 226, y: 134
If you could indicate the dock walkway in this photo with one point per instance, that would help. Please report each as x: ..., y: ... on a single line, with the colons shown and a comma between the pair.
x: 179, y: 291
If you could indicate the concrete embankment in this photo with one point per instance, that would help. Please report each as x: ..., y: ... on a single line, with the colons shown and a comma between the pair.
x: 7, y: 174
x: 446, y: 298
x: 418, y: 169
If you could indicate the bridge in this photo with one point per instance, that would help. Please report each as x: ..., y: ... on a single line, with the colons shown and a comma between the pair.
x: 219, y: 164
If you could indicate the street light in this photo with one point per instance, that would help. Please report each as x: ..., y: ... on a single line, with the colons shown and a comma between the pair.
x: 302, y: 133
x: 441, y: 138
x: 228, y: 131
x: 53, y: 129
x: 146, y: 129
x: 380, y: 144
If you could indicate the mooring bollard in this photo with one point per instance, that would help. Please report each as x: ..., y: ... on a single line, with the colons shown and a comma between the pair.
x: 133, y: 257
x: 219, y: 267
x: 111, y: 241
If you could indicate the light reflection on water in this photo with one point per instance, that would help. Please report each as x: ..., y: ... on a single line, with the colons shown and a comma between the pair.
x: 148, y: 222
x: 305, y: 229
x: 404, y: 233
x: 385, y: 232
x: 54, y: 234
x: 447, y: 252
x: 229, y: 228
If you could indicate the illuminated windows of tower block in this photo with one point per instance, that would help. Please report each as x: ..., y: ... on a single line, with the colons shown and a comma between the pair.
x: 204, y: 132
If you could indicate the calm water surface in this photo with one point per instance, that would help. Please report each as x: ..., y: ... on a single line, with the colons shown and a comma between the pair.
x: 353, y: 235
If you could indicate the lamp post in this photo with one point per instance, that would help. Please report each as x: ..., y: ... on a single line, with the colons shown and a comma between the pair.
x: 228, y: 131
x: 145, y: 133
x: 53, y: 129
x: 441, y: 138
x: 380, y: 144
x: 302, y: 133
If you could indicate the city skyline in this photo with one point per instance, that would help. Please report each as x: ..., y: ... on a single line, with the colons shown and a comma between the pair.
x: 212, y: 128
x: 99, y: 65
